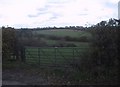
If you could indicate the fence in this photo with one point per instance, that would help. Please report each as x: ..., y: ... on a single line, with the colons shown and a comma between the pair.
x: 55, y: 56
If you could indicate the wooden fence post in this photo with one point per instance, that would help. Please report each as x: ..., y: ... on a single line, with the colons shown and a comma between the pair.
x: 23, y: 54
x: 73, y: 56
x: 55, y: 55
x: 73, y: 53
x: 39, y: 55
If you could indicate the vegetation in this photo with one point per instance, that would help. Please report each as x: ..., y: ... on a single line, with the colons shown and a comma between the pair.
x: 104, y: 57
x: 9, y: 42
x: 99, y: 65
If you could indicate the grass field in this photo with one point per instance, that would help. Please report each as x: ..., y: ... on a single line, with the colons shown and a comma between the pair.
x: 64, y: 32
x: 45, y: 35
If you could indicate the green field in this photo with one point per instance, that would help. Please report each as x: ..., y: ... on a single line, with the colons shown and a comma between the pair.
x: 49, y: 35
x: 63, y: 32
x: 62, y: 56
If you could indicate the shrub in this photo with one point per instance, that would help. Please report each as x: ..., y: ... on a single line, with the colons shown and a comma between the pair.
x: 76, y: 39
x: 83, y: 39
x: 105, y: 51
x: 53, y: 37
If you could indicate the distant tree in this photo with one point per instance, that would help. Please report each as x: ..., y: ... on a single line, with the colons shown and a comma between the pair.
x: 117, y: 21
x: 112, y: 22
x: 25, y: 33
x: 102, y: 23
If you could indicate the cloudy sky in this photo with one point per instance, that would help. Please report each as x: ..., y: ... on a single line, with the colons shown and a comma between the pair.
x: 44, y: 13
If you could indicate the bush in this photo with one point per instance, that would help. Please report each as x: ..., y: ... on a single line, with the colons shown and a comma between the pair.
x: 54, y: 37
x: 105, y: 51
x: 76, y: 39
x: 101, y: 62
x: 70, y: 45
x: 64, y: 44
x: 105, y: 42
x: 9, y: 42
x: 35, y: 42
x: 83, y: 39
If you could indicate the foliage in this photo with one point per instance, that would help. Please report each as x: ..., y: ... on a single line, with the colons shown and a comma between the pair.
x: 9, y: 42
x: 100, y: 62
x: 105, y: 41
x: 105, y: 52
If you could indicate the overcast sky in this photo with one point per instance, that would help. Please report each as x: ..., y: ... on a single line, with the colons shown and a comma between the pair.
x: 44, y: 13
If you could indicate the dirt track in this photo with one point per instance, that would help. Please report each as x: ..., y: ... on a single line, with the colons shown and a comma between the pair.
x: 5, y: 82
x: 20, y: 77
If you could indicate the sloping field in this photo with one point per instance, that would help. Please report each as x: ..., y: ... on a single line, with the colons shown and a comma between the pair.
x: 57, y: 36
x: 63, y: 32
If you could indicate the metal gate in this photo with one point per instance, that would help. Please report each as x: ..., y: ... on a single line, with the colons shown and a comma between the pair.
x: 54, y: 56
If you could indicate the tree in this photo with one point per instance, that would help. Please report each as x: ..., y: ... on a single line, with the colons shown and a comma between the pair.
x: 9, y: 41
x: 117, y: 21
x: 102, y: 23
x: 112, y: 22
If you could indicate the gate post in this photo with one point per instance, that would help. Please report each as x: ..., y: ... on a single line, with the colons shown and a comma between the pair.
x: 23, y: 54
x: 73, y: 55
x: 55, y: 55
x: 39, y: 55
